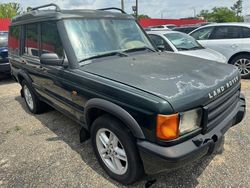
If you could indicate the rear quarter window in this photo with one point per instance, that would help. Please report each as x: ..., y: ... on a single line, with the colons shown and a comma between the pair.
x: 13, y: 42
x: 246, y: 32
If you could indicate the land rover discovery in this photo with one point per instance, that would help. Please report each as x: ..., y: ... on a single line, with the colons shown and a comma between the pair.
x: 145, y: 111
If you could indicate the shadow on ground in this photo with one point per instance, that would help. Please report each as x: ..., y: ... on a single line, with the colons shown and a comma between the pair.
x: 68, y: 131
x: 6, y: 79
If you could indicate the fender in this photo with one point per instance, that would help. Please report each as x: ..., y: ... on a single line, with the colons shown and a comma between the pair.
x: 26, y: 77
x: 23, y: 74
x: 115, y: 110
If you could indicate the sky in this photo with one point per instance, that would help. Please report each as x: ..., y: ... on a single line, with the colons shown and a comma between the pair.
x: 153, y: 8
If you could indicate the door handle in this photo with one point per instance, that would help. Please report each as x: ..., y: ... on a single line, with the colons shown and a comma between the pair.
x: 234, y: 46
x: 23, y: 62
x: 42, y: 68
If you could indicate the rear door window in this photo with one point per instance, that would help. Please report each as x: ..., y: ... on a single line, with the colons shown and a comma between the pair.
x: 14, y: 45
x: 31, y: 40
x: 227, y: 32
x: 246, y: 32
x: 51, y: 42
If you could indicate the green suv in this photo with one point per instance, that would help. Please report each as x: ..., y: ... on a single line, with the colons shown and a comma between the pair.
x: 145, y: 111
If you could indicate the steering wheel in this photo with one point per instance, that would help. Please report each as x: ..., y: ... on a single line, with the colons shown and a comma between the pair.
x: 124, y: 41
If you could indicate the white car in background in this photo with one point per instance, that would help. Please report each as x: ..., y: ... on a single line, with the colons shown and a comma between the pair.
x: 174, y: 41
x: 162, y: 27
x: 230, y: 39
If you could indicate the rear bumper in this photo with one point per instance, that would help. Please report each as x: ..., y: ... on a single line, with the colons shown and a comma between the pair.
x: 158, y: 158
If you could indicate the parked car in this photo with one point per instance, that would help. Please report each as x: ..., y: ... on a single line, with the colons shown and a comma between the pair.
x: 144, y: 111
x: 161, y: 27
x: 4, y: 62
x: 174, y: 41
x: 186, y: 29
x: 230, y: 39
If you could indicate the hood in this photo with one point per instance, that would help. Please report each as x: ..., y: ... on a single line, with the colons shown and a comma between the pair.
x: 206, y: 53
x: 185, y: 82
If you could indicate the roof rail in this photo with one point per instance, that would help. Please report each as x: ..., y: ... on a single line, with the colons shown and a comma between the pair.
x: 114, y: 8
x: 48, y: 5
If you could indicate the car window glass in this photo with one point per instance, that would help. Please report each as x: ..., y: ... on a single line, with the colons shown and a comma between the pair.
x: 51, y: 42
x: 246, y: 32
x: 31, y: 42
x: 159, y: 41
x: 183, y: 41
x: 93, y: 37
x: 202, y: 34
x: 14, y: 40
x: 227, y: 32
x: 3, y: 39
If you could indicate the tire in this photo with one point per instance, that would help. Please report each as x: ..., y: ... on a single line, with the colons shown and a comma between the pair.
x: 34, y: 105
x: 132, y: 169
x: 242, y: 61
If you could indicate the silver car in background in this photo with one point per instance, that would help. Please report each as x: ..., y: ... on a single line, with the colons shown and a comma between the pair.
x: 230, y: 39
x: 178, y: 42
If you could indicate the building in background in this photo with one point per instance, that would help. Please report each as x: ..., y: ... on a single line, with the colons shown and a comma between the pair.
x: 4, y: 24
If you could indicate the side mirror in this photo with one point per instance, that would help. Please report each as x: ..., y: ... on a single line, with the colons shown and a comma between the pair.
x: 161, y: 48
x: 51, y: 59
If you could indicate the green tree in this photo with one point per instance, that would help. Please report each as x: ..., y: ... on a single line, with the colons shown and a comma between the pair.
x: 219, y: 14
x: 237, y: 7
x: 9, y: 10
x: 140, y: 16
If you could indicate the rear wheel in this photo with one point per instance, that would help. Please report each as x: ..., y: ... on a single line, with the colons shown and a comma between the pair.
x: 33, y: 103
x: 116, y: 150
x: 243, y: 64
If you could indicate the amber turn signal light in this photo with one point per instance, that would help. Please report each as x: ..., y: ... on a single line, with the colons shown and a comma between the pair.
x: 167, y: 127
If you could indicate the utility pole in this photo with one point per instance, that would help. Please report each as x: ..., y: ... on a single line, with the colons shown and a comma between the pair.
x: 122, y: 5
x: 136, y: 12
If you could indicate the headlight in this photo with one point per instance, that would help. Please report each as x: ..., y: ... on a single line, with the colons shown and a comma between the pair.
x: 170, y: 127
x: 190, y: 121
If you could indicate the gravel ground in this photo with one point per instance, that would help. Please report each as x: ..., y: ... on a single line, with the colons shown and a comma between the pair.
x: 44, y: 151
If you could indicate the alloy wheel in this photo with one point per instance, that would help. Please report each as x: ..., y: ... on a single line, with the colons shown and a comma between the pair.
x: 111, y: 151
x: 28, y: 97
x: 243, y: 66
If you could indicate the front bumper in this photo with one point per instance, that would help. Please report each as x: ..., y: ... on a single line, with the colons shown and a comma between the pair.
x: 158, y: 158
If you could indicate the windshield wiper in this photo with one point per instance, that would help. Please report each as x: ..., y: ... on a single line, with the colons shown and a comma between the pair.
x: 139, y: 49
x: 105, y: 55
x: 196, y: 48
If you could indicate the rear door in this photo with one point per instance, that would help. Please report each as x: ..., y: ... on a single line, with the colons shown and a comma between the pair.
x: 226, y: 40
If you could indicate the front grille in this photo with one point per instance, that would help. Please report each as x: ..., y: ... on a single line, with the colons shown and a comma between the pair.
x: 218, y: 110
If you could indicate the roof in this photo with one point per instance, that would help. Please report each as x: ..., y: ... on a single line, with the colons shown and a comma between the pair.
x: 46, y: 15
x: 228, y: 24
x: 4, y: 24
x: 161, y: 32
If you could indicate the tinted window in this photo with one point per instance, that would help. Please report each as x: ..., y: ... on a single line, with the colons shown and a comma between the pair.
x: 227, y: 32
x: 160, y: 42
x: 202, y: 34
x: 51, y: 41
x: 31, y: 42
x: 246, y: 32
x: 14, y: 40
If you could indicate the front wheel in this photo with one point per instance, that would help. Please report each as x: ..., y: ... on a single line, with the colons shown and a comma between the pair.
x: 116, y: 150
x: 243, y: 64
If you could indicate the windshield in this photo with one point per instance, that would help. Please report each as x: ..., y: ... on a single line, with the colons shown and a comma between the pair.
x: 93, y: 37
x: 3, y: 39
x: 183, y: 41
